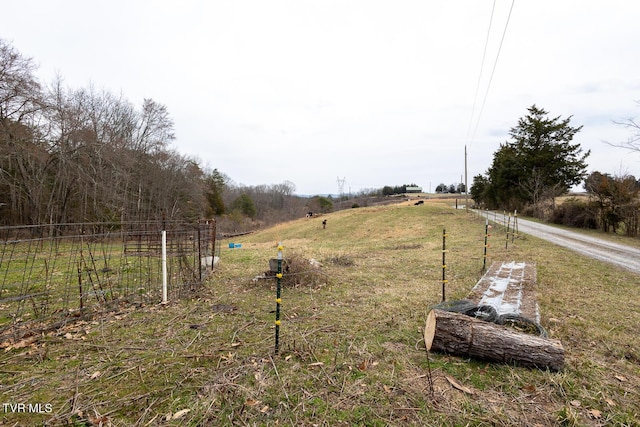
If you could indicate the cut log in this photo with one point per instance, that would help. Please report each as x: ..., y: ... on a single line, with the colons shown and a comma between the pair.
x: 462, y: 335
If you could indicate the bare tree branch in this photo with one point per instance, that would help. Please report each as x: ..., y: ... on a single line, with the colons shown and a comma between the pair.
x: 633, y: 142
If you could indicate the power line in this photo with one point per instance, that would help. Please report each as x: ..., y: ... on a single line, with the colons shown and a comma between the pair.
x: 504, y: 32
x: 484, y: 54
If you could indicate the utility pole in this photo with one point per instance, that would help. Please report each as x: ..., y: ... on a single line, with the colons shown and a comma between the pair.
x: 466, y: 188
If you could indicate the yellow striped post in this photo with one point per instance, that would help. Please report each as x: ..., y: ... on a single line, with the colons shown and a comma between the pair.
x: 444, y: 262
x: 486, y: 245
x: 278, y: 296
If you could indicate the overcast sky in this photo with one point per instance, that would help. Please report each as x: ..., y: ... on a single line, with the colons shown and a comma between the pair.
x: 373, y: 92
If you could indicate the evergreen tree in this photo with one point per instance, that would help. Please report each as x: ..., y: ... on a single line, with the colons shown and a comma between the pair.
x: 479, y: 189
x: 214, y: 184
x: 539, y: 163
x: 245, y: 205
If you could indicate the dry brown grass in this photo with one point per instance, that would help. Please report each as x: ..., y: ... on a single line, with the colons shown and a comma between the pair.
x: 351, y: 338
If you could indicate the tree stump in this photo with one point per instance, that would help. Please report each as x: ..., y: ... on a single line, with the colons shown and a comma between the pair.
x: 463, y: 335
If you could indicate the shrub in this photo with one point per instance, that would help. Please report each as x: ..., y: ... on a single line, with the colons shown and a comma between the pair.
x: 574, y: 213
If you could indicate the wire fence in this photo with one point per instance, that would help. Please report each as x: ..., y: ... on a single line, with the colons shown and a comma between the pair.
x: 50, y: 273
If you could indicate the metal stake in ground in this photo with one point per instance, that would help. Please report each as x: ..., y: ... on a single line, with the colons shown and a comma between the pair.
x: 278, y: 300
x: 486, y: 245
x: 444, y: 262
x: 506, y: 242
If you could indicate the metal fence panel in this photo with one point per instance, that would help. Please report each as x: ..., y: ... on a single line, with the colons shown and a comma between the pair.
x: 70, y: 270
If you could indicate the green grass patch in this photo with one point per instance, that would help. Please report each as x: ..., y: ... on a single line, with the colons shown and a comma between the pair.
x: 351, y: 350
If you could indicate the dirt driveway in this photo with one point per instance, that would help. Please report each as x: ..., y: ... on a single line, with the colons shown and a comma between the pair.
x: 623, y: 256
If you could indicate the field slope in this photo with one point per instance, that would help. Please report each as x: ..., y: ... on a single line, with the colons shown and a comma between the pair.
x: 351, y: 350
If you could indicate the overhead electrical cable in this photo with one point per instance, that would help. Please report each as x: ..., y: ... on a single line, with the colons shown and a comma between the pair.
x: 504, y: 32
x: 484, y: 54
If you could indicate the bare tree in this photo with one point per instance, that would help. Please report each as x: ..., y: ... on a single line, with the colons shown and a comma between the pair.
x: 633, y: 142
x: 88, y: 132
x: 616, y: 198
x: 155, y: 128
x: 19, y: 89
x: 78, y: 155
x: 23, y: 159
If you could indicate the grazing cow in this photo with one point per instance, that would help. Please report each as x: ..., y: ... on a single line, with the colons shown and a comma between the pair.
x: 324, y: 224
x: 420, y: 202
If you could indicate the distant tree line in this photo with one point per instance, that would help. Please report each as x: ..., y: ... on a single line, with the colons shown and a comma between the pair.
x: 452, y: 188
x: 70, y: 155
x: 84, y: 155
x: 388, y: 190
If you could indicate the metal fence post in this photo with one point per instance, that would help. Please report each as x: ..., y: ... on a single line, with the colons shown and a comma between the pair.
x: 278, y: 299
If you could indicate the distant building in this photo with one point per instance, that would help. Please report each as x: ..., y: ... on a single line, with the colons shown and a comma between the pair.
x: 414, y: 189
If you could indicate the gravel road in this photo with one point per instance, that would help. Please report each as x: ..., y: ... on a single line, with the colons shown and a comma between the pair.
x: 623, y: 256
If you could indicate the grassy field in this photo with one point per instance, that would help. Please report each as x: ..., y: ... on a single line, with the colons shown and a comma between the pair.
x: 351, y: 349
x: 42, y: 278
